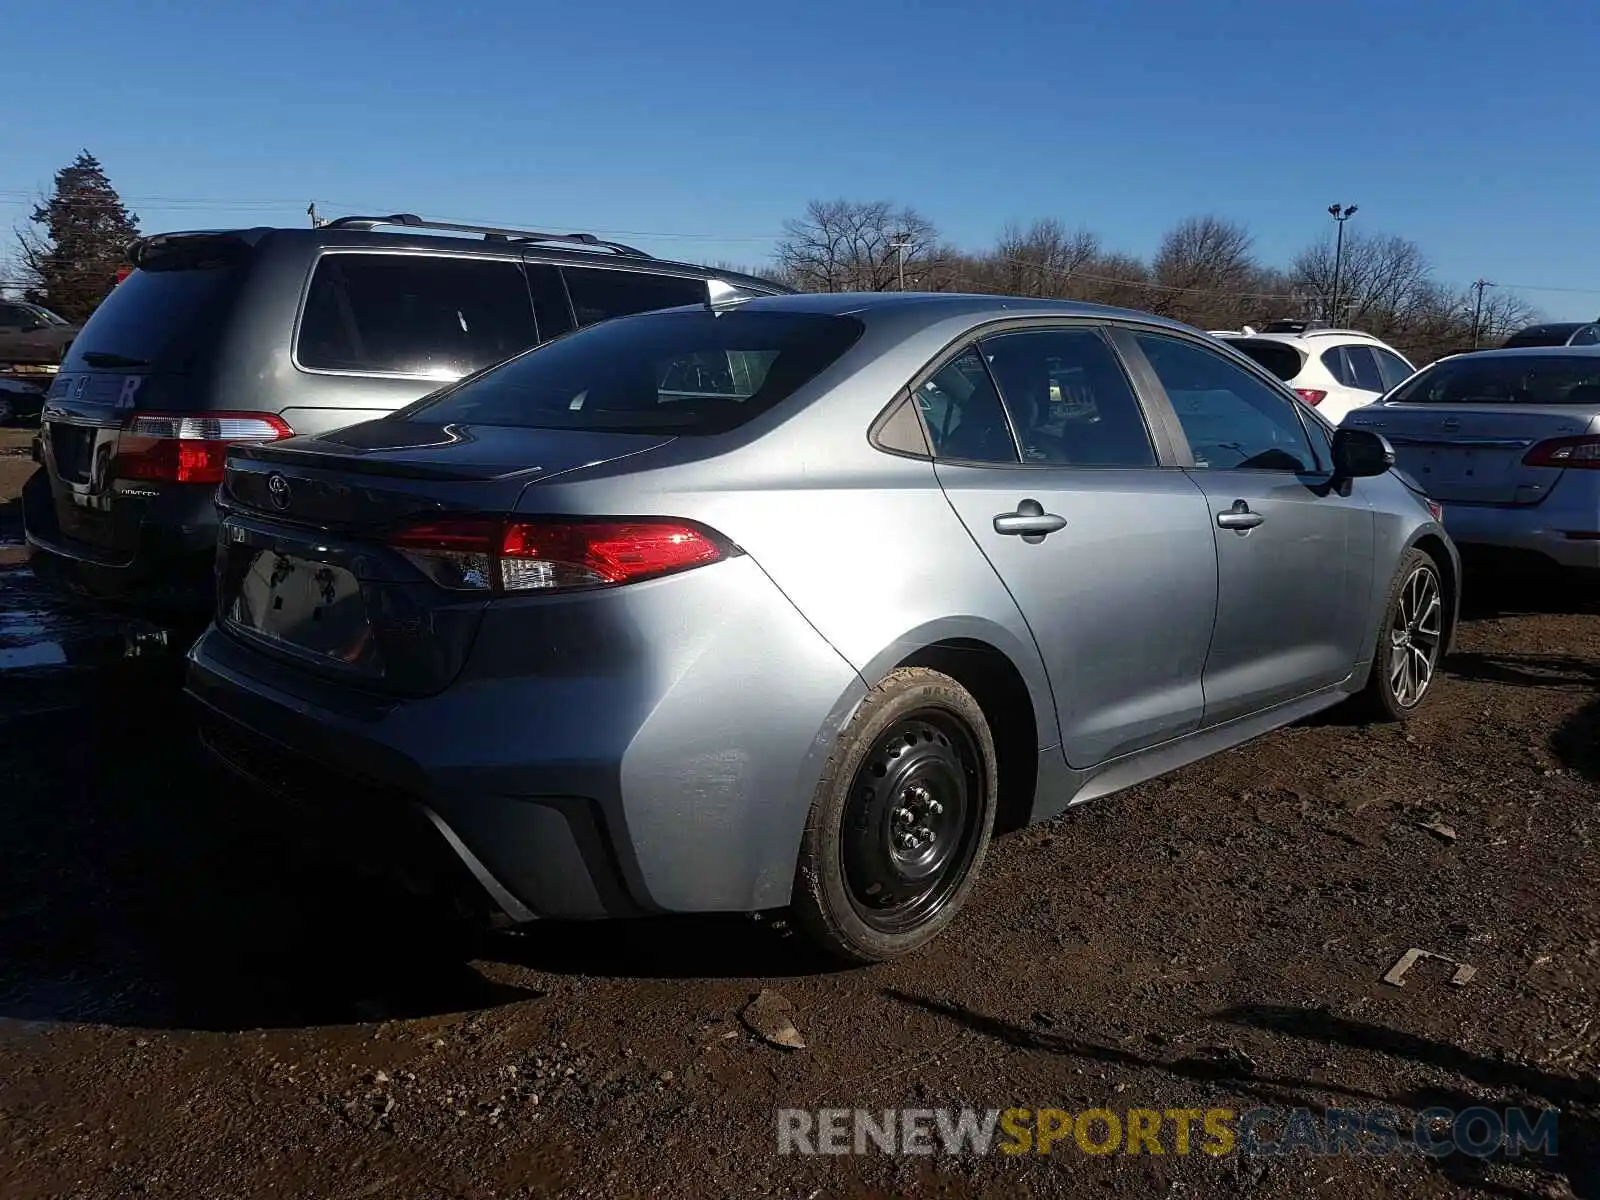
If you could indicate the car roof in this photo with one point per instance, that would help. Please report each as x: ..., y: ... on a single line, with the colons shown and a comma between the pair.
x: 1529, y: 352
x: 949, y: 305
x: 597, y: 253
x: 1551, y: 327
x: 1345, y: 335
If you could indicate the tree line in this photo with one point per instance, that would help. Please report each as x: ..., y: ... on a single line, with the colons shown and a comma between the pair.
x: 1204, y: 272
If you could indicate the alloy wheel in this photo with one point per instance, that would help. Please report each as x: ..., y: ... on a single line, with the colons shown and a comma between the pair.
x: 1416, y: 632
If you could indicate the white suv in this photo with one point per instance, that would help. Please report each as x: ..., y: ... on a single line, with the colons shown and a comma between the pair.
x: 1334, y: 370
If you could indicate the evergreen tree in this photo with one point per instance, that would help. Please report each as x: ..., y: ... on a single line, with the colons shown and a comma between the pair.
x: 72, y: 264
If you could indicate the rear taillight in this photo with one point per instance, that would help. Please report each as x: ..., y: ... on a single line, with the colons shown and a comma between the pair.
x: 1311, y: 396
x: 189, y: 448
x: 497, y: 554
x: 1569, y: 453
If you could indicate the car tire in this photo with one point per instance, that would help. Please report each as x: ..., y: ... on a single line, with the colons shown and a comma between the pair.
x: 900, y: 821
x: 1410, y: 641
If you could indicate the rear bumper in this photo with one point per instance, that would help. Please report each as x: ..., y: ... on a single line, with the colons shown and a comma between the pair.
x: 1545, y: 529
x: 659, y: 773
x: 171, y: 570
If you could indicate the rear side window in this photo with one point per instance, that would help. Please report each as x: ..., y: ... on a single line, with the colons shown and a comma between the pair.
x: 1395, y: 369
x: 1364, y: 369
x: 413, y: 314
x: 598, y: 294
x: 682, y: 372
x: 168, y: 311
x: 1339, y: 367
x: 963, y: 413
x: 1281, y: 360
x: 1070, y: 403
x: 1513, y: 379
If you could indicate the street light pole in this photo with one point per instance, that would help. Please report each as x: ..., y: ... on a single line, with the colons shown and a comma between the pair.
x: 1341, y: 214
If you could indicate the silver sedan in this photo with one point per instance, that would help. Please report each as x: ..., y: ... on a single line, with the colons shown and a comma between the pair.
x: 793, y: 602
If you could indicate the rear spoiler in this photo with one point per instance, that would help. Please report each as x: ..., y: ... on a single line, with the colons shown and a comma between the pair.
x: 188, y: 251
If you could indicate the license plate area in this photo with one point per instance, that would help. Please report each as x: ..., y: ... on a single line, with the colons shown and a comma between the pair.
x: 72, y: 447
x: 311, y: 608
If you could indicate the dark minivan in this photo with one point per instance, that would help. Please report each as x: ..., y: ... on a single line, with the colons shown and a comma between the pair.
x: 254, y: 335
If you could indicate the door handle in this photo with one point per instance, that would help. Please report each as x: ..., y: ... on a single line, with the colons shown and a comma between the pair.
x: 1239, y: 517
x: 1030, y: 521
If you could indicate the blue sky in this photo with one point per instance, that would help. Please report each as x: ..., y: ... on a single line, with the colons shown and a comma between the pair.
x: 697, y: 127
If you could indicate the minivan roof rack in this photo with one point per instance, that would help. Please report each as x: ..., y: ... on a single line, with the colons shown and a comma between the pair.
x: 490, y: 233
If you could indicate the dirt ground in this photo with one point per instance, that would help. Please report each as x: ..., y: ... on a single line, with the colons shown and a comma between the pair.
x: 194, y: 1004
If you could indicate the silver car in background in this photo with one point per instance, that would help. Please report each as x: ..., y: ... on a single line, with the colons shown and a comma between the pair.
x: 792, y: 602
x: 1508, y: 441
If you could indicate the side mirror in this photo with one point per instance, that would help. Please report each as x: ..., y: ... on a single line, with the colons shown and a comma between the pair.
x: 32, y: 325
x: 1360, y: 453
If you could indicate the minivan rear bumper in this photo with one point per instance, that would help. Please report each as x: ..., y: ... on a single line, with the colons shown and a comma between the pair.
x: 171, y: 569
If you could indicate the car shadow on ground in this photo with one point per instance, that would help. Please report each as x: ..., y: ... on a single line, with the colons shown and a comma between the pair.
x: 141, y: 885
x: 1511, y: 1084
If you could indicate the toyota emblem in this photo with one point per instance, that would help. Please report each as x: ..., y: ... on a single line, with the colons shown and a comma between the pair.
x: 278, y: 491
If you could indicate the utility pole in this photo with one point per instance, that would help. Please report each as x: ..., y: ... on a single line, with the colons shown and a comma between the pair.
x: 1478, y: 286
x: 316, y: 221
x: 899, y: 245
x: 1341, y: 214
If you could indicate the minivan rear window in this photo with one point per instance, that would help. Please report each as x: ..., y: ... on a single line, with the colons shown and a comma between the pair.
x: 684, y: 372
x: 1511, y: 379
x: 1283, y: 361
x: 168, y: 310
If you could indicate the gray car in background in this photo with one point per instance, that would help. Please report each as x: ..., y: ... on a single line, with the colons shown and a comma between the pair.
x: 1508, y: 441
x: 792, y: 602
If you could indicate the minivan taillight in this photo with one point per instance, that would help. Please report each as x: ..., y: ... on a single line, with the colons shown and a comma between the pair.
x: 511, y: 555
x: 1571, y: 453
x: 189, y: 447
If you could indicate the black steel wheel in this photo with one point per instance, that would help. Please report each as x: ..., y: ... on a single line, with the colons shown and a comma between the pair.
x: 901, y: 819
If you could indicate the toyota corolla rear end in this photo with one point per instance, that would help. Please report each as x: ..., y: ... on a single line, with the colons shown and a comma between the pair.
x: 494, y: 620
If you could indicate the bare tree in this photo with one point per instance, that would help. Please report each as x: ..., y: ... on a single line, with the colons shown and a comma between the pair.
x: 1385, y: 282
x: 1503, y: 314
x: 850, y: 246
x: 1041, y: 259
x: 1204, y: 270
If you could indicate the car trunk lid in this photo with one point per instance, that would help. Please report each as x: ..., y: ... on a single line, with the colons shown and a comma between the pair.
x: 1473, y: 454
x: 305, y: 569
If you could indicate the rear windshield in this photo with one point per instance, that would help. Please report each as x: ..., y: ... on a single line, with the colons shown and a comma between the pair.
x: 166, y: 312
x: 1513, y: 379
x: 1283, y: 361
x: 683, y: 372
